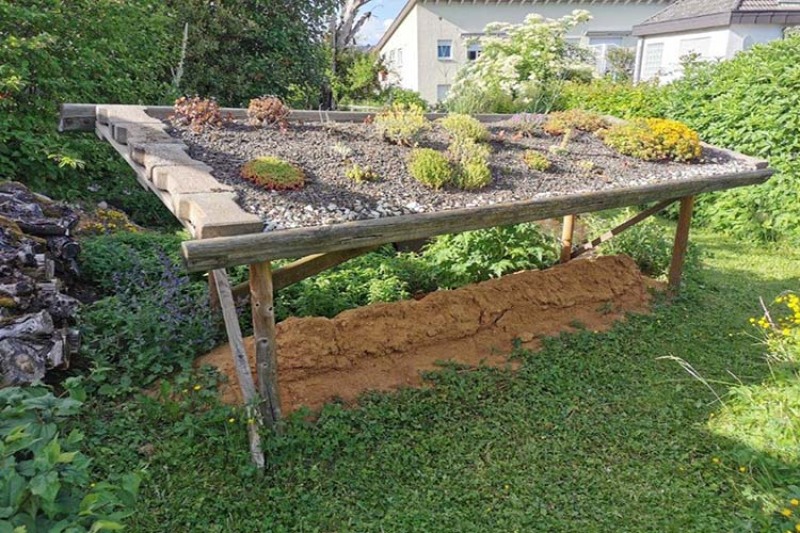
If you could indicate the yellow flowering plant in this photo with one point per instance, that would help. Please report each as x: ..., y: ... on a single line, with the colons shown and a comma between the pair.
x: 654, y: 139
x: 780, y: 325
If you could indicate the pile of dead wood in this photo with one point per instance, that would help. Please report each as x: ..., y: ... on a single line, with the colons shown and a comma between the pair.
x: 37, y: 257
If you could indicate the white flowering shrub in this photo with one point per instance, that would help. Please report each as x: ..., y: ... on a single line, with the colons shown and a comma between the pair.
x: 521, y: 67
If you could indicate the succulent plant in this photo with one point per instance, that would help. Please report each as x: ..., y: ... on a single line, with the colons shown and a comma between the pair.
x: 196, y: 113
x: 273, y: 173
x: 268, y: 111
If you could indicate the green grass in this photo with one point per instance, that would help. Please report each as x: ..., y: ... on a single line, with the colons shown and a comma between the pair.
x: 594, y: 433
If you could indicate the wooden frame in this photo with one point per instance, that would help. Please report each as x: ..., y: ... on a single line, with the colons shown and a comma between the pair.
x: 220, y: 243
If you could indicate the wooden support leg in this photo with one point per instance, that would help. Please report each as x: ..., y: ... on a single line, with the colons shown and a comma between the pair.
x: 213, y: 294
x: 242, y: 365
x: 567, y: 232
x: 261, y: 300
x: 681, y: 242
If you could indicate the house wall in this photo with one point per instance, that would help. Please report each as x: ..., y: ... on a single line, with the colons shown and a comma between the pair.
x: 717, y: 44
x: 435, y: 21
x: 405, y: 38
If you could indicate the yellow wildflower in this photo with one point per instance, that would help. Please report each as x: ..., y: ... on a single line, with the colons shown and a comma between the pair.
x: 786, y: 512
x: 715, y: 460
x: 742, y: 469
x: 795, y: 502
x: 231, y: 420
x: 197, y: 387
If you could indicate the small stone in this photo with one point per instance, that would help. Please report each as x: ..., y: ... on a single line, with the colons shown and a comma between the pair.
x: 102, y: 205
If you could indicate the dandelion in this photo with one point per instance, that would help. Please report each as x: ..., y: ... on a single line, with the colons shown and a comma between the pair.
x: 197, y: 387
x: 743, y: 469
x: 797, y: 527
x: 786, y: 512
x: 795, y: 502
x: 231, y: 420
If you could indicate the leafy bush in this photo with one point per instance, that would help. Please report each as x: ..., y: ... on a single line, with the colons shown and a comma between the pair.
x: 479, y: 255
x: 407, y: 97
x: 45, y: 479
x: 527, y: 124
x: 147, y: 329
x: 196, y: 113
x: 648, y: 243
x: 268, y: 111
x: 521, y: 67
x: 536, y: 161
x: 464, y: 127
x: 361, y: 174
x: 273, y: 174
x: 559, y: 122
x: 748, y: 104
x: 654, y: 139
x: 621, y: 61
x: 402, y: 124
x: 618, y: 99
x: 120, y: 261
x: 430, y: 167
x: 381, y: 276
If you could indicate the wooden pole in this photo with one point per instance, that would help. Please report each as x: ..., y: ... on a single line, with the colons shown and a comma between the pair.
x: 242, y: 365
x: 261, y: 300
x: 213, y: 294
x: 681, y: 242
x: 567, y: 234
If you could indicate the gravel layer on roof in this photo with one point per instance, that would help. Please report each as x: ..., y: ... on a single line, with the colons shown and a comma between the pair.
x: 330, y: 197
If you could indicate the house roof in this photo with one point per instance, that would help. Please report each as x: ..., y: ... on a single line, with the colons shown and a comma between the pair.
x: 410, y: 4
x: 688, y: 15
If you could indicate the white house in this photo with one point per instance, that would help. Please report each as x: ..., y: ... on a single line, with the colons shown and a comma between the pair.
x: 429, y: 40
x: 709, y: 29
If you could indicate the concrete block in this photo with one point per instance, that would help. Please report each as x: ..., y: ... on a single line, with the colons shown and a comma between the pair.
x: 124, y: 113
x: 141, y: 133
x: 151, y: 156
x: 216, y: 215
x: 187, y: 180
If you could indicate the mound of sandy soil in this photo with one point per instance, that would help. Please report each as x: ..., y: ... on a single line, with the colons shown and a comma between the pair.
x: 385, y: 346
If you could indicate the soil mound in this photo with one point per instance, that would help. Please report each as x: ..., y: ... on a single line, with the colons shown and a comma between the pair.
x: 385, y: 346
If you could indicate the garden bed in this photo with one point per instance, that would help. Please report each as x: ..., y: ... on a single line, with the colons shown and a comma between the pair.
x: 330, y: 197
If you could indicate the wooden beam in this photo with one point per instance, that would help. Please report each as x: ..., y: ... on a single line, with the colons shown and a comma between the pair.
x: 261, y: 300
x: 242, y: 365
x: 681, y: 243
x: 304, y: 268
x: 647, y: 213
x: 567, y: 233
x: 209, y: 254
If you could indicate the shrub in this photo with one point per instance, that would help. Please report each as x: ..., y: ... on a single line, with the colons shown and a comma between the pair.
x: 521, y: 67
x: 148, y: 330
x: 273, y: 173
x: 479, y: 255
x: 654, y: 139
x: 268, y: 111
x: 536, y: 161
x: 430, y: 167
x: 407, y: 97
x: 464, y: 127
x: 618, y: 99
x: 119, y: 261
x: 45, y: 478
x: 361, y: 174
x: 527, y: 124
x: 471, y: 160
x: 401, y: 124
x: 560, y: 122
x: 196, y: 113
x: 105, y: 221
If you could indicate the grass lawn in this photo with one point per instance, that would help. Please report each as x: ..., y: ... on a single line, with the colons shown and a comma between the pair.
x: 594, y: 433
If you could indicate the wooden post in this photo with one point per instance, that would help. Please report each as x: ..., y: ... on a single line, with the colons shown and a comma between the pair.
x: 567, y: 232
x: 261, y: 300
x: 213, y: 295
x: 681, y: 242
x: 242, y: 364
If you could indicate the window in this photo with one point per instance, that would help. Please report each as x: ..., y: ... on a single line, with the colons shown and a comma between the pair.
x: 444, y: 49
x: 473, y: 51
x: 651, y: 64
x: 441, y: 92
x: 399, y: 59
x: 391, y: 57
x: 700, y: 46
x: 614, y: 40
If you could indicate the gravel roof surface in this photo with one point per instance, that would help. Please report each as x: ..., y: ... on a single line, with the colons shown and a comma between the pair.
x: 329, y: 197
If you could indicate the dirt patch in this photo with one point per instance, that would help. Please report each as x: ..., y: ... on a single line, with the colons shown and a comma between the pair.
x: 385, y: 346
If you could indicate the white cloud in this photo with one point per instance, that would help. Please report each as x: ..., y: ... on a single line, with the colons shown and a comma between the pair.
x: 372, y: 30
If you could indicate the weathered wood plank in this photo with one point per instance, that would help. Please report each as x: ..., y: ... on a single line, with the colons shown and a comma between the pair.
x: 647, y: 213
x: 209, y: 254
x: 304, y: 268
x: 567, y: 233
x: 236, y: 341
x: 261, y: 301
x: 681, y: 243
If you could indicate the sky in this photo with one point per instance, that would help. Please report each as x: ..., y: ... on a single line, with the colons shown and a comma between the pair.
x: 383, y: 13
